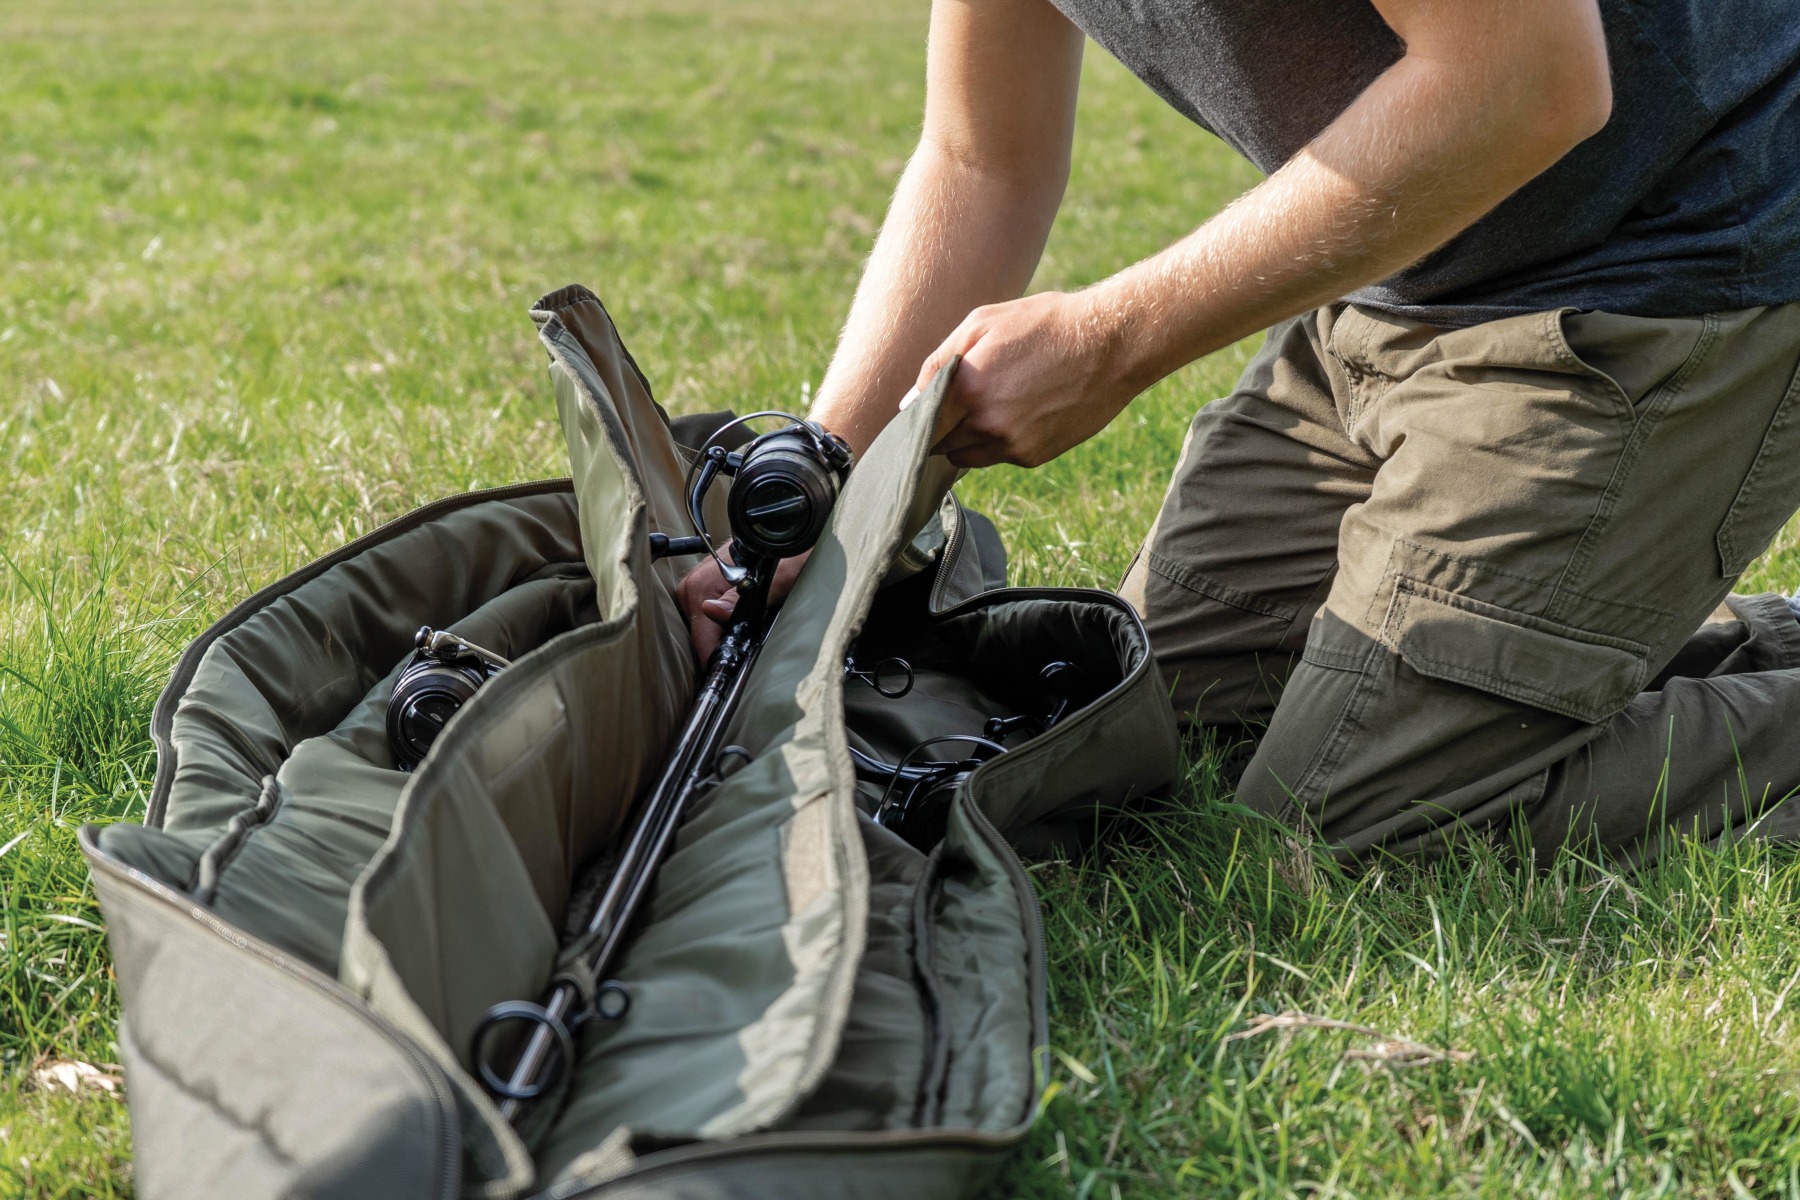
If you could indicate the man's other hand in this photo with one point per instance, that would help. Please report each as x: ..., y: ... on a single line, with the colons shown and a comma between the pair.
x: 707, y: 601
x: 1038, y: 376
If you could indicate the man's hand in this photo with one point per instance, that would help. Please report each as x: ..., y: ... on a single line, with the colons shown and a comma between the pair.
x: 707, y: 601
x: 1038, y: 376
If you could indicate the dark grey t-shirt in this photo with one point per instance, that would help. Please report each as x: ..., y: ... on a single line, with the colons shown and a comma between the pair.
x: 1688, y: 201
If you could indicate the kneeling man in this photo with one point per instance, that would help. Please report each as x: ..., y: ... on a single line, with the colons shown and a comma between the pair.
x: 1527, y: 407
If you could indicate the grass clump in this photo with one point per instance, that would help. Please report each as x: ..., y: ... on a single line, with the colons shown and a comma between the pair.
x: 76, y: 684
x: 78, y: 674
x: 55, y: 1146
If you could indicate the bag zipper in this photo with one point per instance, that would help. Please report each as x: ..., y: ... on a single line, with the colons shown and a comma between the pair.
x: 947, y: 559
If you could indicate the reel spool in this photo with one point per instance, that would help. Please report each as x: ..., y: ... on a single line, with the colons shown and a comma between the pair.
x: 784, y: 490
x: 443, y: 672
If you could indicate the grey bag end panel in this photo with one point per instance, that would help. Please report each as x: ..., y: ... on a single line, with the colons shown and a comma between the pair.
x: 282, y: 865
x: 252, y: 1076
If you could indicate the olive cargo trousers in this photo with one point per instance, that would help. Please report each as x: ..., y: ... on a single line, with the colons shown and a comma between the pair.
x: 1476, y: 567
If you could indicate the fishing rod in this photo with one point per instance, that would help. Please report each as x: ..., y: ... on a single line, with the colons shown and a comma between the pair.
x: 784, y: 485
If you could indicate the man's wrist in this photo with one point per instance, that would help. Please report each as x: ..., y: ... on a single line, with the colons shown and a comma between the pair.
x: 1117, y: 340
x: 840, y: 419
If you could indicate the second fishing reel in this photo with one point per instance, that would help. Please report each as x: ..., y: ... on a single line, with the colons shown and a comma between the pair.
x: 443, y: 672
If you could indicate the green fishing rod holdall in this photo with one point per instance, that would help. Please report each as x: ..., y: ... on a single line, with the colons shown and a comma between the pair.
x: 461, y: 877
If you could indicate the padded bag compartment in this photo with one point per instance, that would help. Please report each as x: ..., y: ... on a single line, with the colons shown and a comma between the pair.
x: 305, y: 937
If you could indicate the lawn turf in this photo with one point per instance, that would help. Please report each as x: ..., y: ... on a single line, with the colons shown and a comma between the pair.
x: 265, y: 273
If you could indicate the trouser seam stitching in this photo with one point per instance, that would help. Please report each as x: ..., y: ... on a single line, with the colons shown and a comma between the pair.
x: 1207, y: 586
x: 1489, y: 569
x: 1331, y: 749
x: 1563, y: 593
x: 1335, y: 659
x: 1307, y: 604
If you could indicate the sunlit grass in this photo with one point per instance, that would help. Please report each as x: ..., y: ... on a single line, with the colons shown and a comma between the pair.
x: 266, y: 269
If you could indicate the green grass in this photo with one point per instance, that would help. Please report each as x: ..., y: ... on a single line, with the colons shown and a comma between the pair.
x: 266, y: 267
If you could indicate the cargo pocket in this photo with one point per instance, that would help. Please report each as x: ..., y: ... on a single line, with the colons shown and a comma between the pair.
x: 1564, y: 670
x: 1770, y: 492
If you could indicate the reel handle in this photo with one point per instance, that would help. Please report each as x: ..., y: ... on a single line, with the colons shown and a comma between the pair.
x: 664, y: 546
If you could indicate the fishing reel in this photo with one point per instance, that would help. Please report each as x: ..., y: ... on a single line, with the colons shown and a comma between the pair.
x: 784, y: 484
x: 917, y: 793
x: 443, y: 672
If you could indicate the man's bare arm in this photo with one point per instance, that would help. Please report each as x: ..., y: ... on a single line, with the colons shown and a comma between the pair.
x: 966, y: 226
x: 1486, y: 97
x: 973, y: 209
